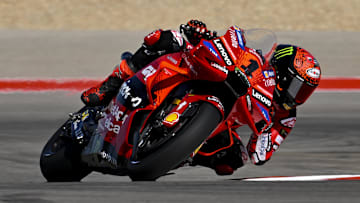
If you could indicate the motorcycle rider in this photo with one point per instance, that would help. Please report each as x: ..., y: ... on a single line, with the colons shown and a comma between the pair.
x: 296, y: 72
x: 156, y: 44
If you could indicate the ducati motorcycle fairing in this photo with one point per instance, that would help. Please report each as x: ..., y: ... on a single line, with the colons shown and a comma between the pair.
x: 163, y: 114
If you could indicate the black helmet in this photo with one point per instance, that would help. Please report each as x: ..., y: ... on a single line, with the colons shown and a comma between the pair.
x: 297, y: 75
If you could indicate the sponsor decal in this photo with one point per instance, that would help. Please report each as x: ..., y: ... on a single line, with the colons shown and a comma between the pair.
x: 233, y: 37
x: 248, y: 101
x: 221, y: 68
x: 261, y: 98
x: 125, y: 90
x: 313, y: 72
x: 237, y: 28
x: 75, y: 124
x: 268, y: 73
x: 269, y: 82
x: 116, y: 112
x: 178, y: 37
x: 262, y: 146
x: 286, y: 106
x: 267, y: 144
x: 215, y: 99
x: 124, y: 118
x: 106, y: 156
x: 172, y: 118
x: 85, y: 115
x: 109, y: 125
x: 224, y: 54
x: 211, y: 48
x: 186, y: 59
x: 264, y: 112
x: 279, y: 139
x: 128, y: 95
x: 240, y: 39
x: 181, y: 105
x: 284, y: 52
x: 172, y: 59
x: 148, y: 71
x: 166, y: 71
x: 135, y: 101
x: 288, y: 122
x: 267, y: 129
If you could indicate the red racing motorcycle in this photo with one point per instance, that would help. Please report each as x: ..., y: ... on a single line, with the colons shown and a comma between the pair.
x: 164, y: 113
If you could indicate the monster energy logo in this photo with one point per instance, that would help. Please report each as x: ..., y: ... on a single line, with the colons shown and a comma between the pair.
x: 284, y: 52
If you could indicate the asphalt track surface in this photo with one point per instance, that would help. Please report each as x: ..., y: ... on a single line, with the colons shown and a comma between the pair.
x: 325, y: 140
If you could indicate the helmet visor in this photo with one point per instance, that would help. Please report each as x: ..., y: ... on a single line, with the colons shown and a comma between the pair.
x: 299, y: 91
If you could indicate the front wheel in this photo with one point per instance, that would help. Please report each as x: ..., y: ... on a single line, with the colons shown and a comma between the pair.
x: 60, y: 159
x: 178, y: 148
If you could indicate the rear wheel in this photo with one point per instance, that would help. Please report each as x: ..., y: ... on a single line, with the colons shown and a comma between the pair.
x: 170, y: 150
x: 60, y: 159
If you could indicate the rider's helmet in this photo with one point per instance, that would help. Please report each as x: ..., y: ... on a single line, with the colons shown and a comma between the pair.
x: 297, y: 75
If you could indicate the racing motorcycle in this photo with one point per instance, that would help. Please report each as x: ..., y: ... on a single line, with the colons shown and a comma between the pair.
x: 163, y: 115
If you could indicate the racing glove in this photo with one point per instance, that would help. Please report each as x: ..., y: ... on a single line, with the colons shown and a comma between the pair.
x: 261, y: 147
x: 196, y: 30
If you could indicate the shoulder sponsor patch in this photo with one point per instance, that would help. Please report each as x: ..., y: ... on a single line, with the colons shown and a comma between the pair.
x: 261, y: 98
x: 268, y: 73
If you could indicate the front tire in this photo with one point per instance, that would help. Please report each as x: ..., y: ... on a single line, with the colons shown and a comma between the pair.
x: 60, y: 159
x: 178, y: 148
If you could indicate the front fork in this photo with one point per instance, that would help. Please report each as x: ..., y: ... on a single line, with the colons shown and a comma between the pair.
x: 184, y: 108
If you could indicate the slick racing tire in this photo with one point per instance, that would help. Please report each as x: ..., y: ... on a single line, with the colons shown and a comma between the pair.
x: 60, y: 159
x: 176, y: 150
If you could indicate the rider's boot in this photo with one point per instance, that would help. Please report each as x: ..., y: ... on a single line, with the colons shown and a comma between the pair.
x: 102, y: 94
x: 224, y: 153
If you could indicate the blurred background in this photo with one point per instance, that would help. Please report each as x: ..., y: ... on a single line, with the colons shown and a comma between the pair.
x: 279, y: 15
x: 66, y: 38
x: 84, y: 38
